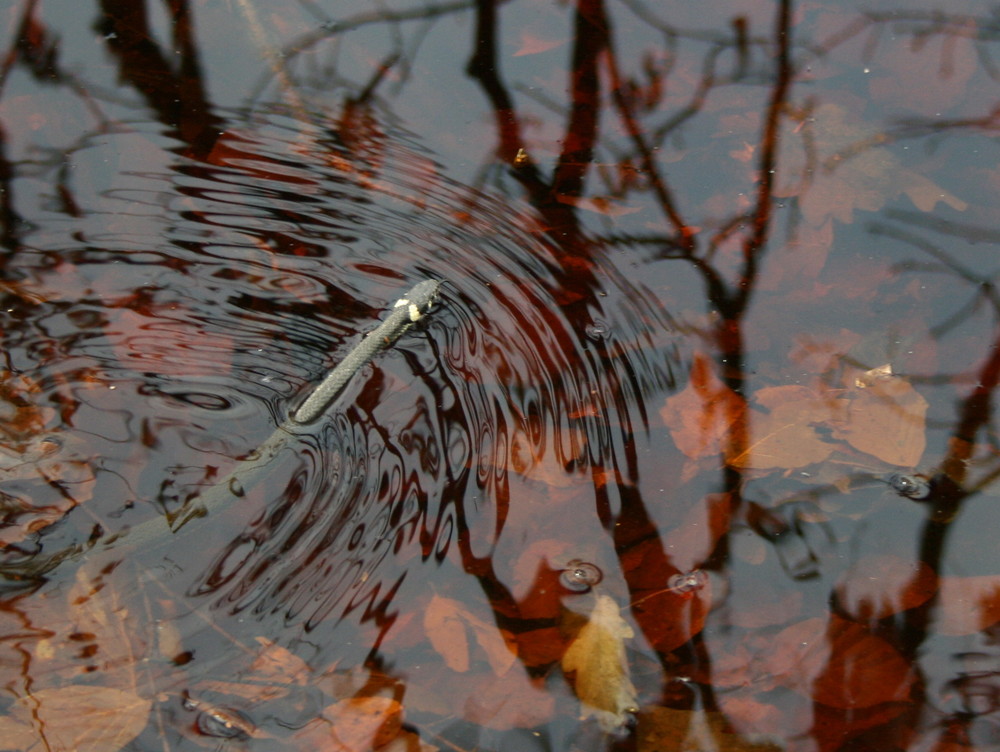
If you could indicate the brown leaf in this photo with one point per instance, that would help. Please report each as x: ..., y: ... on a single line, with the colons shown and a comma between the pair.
x: 829, y: 660
x: 40, y: 482
x: 364, y: 723
x: 671, y: 730
x: 701, y: 414
x: 690, y: 543
x: 510, y: 701
x: 76, y: 719
x: 667, y: 618
x: 597, y: 659
x: 785, y: 437
x: 279, y: 665
x: 532, y: 45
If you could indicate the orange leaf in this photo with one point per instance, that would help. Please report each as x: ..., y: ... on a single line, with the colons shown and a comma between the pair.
x: 598, y: 204
x: 279, y: 665
x: 700, y: 415
x: 690, y: 543
x: 532, y: 45
x: 510, y: 701
x: 863, y: 670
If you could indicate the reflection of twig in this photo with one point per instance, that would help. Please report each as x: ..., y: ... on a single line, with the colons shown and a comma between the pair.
x: 919, y: 24
x: 985, y: 287
x: 684, y: 238
x: 331, y: 28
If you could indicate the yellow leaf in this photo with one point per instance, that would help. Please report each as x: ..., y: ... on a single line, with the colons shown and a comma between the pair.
x: 597, y: 657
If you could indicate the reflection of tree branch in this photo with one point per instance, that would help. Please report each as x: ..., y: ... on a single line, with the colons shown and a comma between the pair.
x: 921, y: 25
x: 331, y: 29
x: 949, y: 491
x: 684, y: 239
x: 753, y: 248
x: 10, y: 220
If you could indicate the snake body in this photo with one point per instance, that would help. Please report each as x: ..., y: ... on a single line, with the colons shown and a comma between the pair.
x: 406, y: 311
x: 160, y: 530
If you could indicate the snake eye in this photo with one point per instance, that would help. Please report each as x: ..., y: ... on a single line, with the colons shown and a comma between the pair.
x: 580, y: 576
x: 911, y: 486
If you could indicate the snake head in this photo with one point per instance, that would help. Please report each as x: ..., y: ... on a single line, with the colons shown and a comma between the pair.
x: 420, y: 299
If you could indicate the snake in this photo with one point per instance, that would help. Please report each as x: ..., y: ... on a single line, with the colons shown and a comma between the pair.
x: 157, y: 531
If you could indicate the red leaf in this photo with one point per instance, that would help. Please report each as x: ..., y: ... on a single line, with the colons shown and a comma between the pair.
x: 862, y: 671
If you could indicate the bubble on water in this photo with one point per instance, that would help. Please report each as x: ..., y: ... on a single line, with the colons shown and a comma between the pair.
x: 911, y: 486
x: 688, y: 583
x: 217, y: 721
x: 597, y: 330
x: 580, y: 576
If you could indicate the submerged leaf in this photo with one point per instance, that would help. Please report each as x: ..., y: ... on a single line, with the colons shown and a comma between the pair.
x: 700, y: 416
x: 364, y: 723
x: 672, y: 730
x: 77, y: 718
x: 784, y: 438
x: 597, y: 658
x: 447, y: 622
x: 888, y: 420
x: 878, y: 586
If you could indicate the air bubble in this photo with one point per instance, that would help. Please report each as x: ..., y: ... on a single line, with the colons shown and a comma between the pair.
x: 688, y: 583
x: 580, y: 576
x: 597, y: 330
x: 911, y: 486
x: 219, y: 722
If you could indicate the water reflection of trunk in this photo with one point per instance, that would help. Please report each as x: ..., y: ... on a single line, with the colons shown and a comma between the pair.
x: 553, y: 198
x: 949, y: 490
x: 175, y: 92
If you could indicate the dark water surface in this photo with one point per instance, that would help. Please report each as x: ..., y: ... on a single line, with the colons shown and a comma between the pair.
x: 717, y: 279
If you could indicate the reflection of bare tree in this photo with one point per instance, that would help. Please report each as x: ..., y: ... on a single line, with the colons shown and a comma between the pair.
x: 615, y: 127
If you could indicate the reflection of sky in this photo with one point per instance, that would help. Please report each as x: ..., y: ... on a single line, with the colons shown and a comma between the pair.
x: 533, y: 400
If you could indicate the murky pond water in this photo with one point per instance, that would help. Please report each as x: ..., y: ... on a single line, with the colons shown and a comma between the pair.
x: 694, y: 451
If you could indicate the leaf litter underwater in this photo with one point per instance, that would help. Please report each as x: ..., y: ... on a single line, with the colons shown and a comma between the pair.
x: 507, y: 531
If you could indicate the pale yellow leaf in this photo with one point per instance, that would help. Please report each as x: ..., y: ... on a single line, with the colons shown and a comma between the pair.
x: 597, y: 658
x: 888, y: 420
